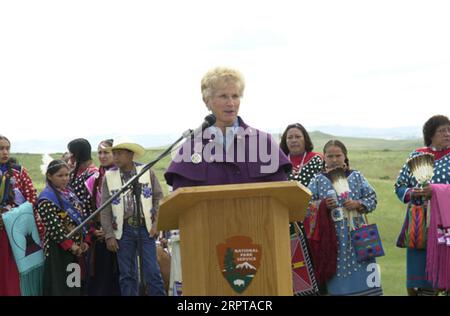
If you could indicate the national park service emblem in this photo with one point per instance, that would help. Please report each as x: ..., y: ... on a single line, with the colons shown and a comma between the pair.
x: 239, y: 261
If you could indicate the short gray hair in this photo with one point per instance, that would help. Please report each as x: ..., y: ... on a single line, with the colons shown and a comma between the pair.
x: 219, y: 75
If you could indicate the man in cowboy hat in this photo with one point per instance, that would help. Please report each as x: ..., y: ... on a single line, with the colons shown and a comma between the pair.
x: 124, y: 227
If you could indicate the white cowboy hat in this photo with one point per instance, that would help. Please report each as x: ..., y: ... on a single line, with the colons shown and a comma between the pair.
x: 125, y: 143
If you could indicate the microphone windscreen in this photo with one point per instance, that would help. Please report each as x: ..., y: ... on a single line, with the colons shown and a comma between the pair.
x: 210, y: 119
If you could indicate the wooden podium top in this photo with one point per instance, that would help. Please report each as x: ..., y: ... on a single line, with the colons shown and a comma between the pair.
x: 292, y: 194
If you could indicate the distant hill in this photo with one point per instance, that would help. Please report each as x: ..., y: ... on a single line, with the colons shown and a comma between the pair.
x: 355, y: 143
x: 319, y: 139
x: 407, y: 132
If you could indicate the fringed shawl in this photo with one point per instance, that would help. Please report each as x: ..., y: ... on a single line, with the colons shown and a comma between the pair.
x: 438, y: 244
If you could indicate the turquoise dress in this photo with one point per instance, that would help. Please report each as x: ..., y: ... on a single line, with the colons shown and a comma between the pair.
x: 352, y: 277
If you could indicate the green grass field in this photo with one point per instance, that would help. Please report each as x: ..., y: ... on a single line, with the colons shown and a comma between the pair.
x: 379, y: 161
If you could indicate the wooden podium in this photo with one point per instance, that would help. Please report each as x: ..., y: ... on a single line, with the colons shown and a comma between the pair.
x: 209, y: 215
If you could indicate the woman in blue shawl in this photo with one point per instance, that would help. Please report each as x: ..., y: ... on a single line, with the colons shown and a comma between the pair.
x: 61, y: 211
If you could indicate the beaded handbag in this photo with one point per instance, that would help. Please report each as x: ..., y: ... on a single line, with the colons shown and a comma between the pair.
x: 367, y: 242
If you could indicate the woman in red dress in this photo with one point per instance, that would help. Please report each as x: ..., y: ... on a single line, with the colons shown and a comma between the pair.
x: 16, y: 188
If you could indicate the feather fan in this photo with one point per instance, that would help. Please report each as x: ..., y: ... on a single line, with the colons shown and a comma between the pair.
x: 422, y: 168
x: 339, y: 181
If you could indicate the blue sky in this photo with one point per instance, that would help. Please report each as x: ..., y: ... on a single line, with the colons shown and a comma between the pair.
x: 80, y: 68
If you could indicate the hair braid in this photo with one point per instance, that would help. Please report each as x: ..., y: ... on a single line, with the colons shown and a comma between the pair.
x: 75, y: 171
x: 11, y: 194
x: 96, y: 189
x: 58, y: 196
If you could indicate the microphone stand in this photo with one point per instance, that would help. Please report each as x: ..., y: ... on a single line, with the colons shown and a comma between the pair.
x: 127, y: 186
x: 137, y: 189
x: 133, y: 185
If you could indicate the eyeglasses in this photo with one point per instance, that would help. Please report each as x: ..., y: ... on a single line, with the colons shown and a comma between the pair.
x: 443, y: 130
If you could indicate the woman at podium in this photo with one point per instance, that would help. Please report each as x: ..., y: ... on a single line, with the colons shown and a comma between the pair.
x: 230, y: 151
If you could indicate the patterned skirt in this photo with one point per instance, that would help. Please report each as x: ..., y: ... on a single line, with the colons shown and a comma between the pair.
x: 303, y: 279
x: 353, y: 278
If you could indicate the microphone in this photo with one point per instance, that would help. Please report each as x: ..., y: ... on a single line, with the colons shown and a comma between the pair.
x: 207, y: 122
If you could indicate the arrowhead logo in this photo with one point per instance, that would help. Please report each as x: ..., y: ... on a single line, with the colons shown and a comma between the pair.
x: 239, y: 260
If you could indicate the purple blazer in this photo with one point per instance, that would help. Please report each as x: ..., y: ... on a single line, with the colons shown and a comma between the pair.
x: 233, y: 167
